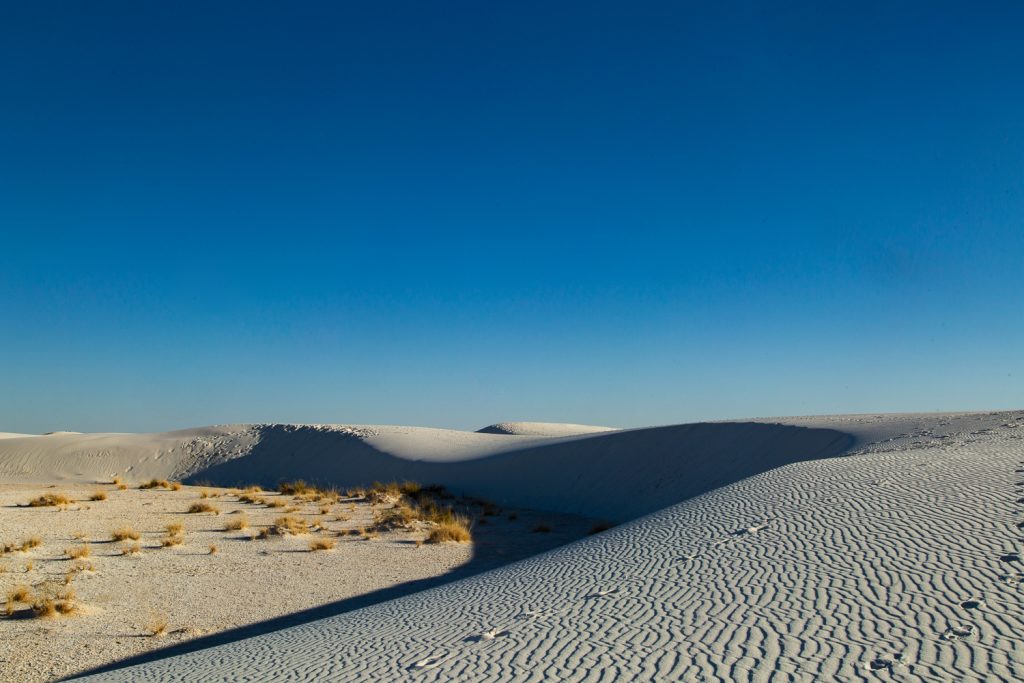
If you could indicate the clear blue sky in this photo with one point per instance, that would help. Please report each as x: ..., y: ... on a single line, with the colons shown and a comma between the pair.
x: 452, y: 213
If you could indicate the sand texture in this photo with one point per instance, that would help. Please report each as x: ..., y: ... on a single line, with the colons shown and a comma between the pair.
x: 818, y: 548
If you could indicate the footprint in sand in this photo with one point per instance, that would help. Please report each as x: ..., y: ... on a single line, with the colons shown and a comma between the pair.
x: 958, y: 632
x: 1010, y: 557
x: 430, y: 662
x: 601, y: 593
x: 488, y: 635
x: 972, y: 604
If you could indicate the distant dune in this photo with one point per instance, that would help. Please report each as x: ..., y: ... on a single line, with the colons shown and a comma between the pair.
x: 542, y: 429
x: 829, y: 548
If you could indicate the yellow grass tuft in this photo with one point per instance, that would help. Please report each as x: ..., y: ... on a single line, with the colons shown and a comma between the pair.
x: 78, y: 553
x: 156, y: 626
x: 197, y: 508
x: 290, y: 525
x: 321, y: 544
x: 49, y: 500
x: 237, y: 523
x: 122, y: 487
x: 133, y: 549
x: 175, y: 529
x: 125, y: 533
x: 213, y: 549
x: 156, y: 484
x: 98, y: 495
x: 454, y: 531
x: 175, y: 486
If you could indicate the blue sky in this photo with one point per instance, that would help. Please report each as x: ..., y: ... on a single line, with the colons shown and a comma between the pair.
x: 453, y: 214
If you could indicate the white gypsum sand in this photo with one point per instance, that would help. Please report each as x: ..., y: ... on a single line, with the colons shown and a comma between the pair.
x: 842, y: 547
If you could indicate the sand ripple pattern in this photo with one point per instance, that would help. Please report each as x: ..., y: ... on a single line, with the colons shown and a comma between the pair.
x: 892, y: 564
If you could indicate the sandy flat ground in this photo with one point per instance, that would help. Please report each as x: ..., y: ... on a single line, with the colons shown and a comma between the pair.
x: 120, y: 597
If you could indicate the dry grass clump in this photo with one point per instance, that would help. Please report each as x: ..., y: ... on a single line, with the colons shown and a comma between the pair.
x: 115, y: 481
x: 124, y: 533
x: 156, y: 484
x: 213, y: 549
x: 78, y: 553
x: 98, y: 496
x: 321, y: 544
x: 175, y: 535
x: 24, y: 546
x: 251, y: 499
x: 454, y: 531
x: 291, y: 488
x: 49, y: 500
x: 122, y: 487
x: 197, y: 508
x: 289, y: 525
x: 264, y: 534
x: 237, y: 523
x: 54, y: 599
x: 133, y: 549
x: 175, y: 486
x: 205, y: 494
x: 275, y: 503
x: 156, y: 626
x: 19, y: 594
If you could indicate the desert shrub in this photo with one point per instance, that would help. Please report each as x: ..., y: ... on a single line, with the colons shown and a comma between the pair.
x: 78, y: 553
x: 237, y: 523
x: 98, y: 496
x: 198, y: 508
x: 321, y: 544
x: 49, y: 500
x: 455, y: 531
x: 124, y: 533
x: 289, y: 525
x: 156, y: 484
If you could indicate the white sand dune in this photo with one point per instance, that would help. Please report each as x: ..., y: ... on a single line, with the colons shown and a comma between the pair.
x: 765, y: 556
x: 542, y: 429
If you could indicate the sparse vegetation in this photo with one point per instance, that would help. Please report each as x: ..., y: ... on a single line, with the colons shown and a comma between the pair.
x: 133, y: 549
x: 122, y: 487
x: 49, y: 500
x: 156, y: 626
x: 454, y: 531
x: 213, y: 549
x: 175, y: 486
x: 197, y: 508
x: 78, y: 552
x: 321, y: 544
x: 175, y: 529
x: 124, y: 533
x: 98, y: 495
x: 237, y: 523
x: 156, y: 484
x: 289, y: 525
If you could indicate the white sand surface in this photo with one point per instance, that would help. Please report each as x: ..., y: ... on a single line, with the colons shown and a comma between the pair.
x: 542, y: 429
x: 819, y: 548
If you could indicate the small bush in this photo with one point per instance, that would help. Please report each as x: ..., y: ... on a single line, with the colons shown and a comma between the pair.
x: 175, y: 529
x: 30, y: 542
x: 289, y: 525
x: 213, y: 549
x: 291, y: 488
x: 455, y: 531
x: 49, y: 500
x: 124, y: 533
x: 133, y: 549
x: 321, y: 544
x: 78, y: 553
x: 156, y: 626
x: 197, y: 508
x: 175, y: 486
x: 122, y: 487
x: 237, y: 523
x: 156, y: 484
x: 98, y: 496
x: 170, y: 541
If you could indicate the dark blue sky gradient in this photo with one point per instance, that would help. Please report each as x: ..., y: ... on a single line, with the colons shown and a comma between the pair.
x: 458, y: 213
